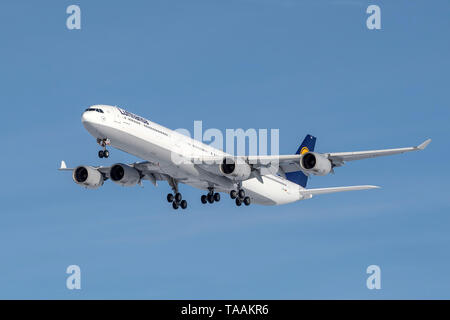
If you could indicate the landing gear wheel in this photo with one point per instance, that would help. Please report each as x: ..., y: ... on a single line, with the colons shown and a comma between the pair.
x: 178, y: 197
x: 217, y: 197
x: 106, y: 154
x: 233, y: 194
x: 170, y: 197
x: 175, y: 205
x: 101, y: 154
x: 210, y: 198
x: 183, y: 204
x: 204, y: 200
x: 247, y: 201
x: 241, y: 194
x: 238, y: 202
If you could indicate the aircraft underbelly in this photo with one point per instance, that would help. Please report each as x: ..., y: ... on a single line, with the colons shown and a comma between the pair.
x: 272, y: 192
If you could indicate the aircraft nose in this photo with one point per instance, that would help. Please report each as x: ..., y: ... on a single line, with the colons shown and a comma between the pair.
x: 86, y: 117
x: 90, y: 121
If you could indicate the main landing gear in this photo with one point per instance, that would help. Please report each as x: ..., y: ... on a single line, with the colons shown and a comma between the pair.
x: 211, y: 197
x: 175, y: 198
x: 240, y: 197
x: 103, y: 143
x: 177, y: 201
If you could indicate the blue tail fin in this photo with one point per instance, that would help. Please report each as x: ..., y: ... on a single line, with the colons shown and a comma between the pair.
x: 299, y: 177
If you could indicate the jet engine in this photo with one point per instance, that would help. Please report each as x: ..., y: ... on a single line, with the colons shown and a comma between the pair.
x: 235, y: 169
x: 88, y: 177
x: 315, y: 163
x: 124, y: 175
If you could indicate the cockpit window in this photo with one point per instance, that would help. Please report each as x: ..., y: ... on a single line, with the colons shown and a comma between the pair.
x: 94, y: 109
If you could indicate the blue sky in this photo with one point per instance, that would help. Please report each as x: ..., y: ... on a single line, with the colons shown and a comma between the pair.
x: 300, y: 66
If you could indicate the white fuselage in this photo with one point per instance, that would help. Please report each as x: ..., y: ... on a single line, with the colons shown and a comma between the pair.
x: 159, y: 145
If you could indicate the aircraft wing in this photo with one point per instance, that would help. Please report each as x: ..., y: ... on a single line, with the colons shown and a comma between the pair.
x: 339, y: 158
x: 291, y: 163
x: 280, y: 164
x: 148, y: 170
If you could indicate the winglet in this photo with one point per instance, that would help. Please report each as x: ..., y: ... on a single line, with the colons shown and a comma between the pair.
x: 424, y: 144
x: 63, y: 167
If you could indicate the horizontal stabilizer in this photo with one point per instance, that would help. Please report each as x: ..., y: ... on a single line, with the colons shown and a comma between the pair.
x: 308, y: 192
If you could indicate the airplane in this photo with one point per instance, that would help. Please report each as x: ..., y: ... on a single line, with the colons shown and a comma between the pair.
x: 245, y: 178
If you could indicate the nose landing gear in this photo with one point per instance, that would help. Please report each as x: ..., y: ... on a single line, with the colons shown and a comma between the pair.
x: 103, y: 143
x: 103, y: 154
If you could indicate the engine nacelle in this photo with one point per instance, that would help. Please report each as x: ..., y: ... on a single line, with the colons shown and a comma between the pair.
x: 235, y: 169
x: 124, y: 175
x: 87, y: 177
x: 315, y: 163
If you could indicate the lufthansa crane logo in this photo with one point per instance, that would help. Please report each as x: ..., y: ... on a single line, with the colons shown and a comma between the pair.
x: 304, y: 150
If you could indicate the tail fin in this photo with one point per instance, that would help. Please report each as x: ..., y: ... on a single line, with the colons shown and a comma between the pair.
x: 299, y: 177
